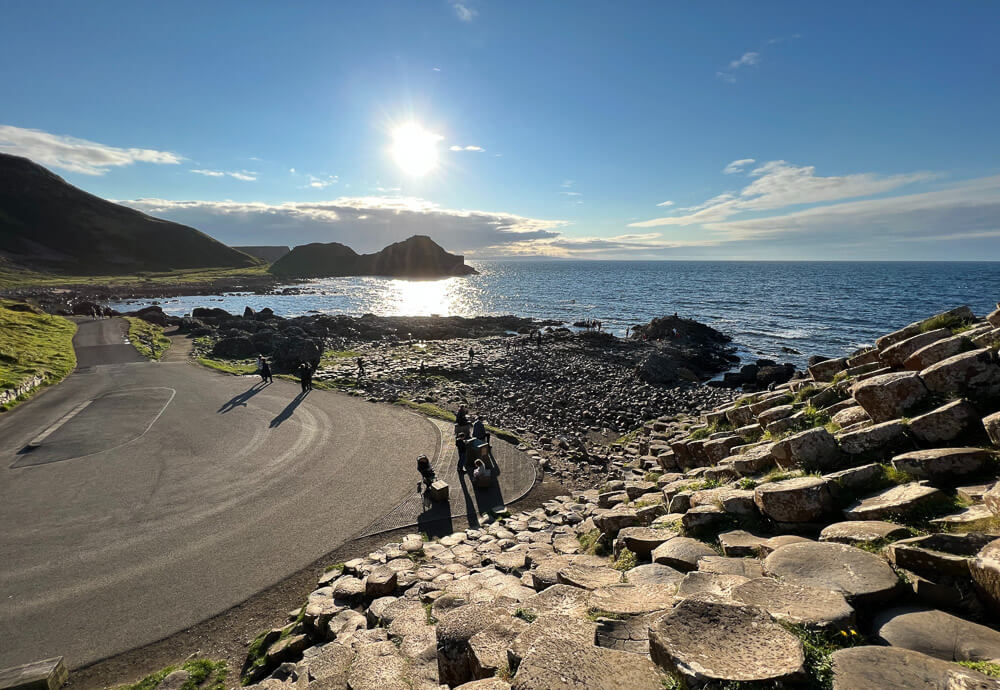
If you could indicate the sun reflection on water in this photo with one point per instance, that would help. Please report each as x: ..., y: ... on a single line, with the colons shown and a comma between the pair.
x: 445, y: 297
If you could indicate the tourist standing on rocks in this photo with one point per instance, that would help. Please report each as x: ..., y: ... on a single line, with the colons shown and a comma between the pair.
x: 265, y: 372
x: 472, y: 356
x: 361, y: 368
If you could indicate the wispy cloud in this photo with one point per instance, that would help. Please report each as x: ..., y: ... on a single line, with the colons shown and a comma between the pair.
x: 665, y: 203
x: 779, y: 184
x: 76, y: 155
x: 747, y: 59
x: 464, y: 12
x: 737, y: 166
x: 465, y: 148
x: 244, y: 175
x: 322, y: 182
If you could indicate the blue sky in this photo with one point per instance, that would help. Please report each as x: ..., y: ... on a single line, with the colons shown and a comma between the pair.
x: 862, y: 130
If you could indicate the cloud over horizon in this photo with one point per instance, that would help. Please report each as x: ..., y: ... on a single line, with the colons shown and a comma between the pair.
x: 76, y: 155
x: 364, y: 223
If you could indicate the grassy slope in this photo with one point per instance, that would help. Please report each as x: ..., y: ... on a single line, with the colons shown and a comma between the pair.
x: 12, y: 276
x: 34, y: 343
x: 147, y: 338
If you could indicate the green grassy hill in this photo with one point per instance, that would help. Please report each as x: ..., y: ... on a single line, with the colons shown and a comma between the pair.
x: 51, y: 226
x: 32, y: 344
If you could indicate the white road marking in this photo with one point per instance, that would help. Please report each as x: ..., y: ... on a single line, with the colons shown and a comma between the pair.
x: 37, y: 441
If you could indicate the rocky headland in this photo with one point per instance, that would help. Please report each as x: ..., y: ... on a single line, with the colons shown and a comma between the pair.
x: 841, y: 529
x: 416, y: 257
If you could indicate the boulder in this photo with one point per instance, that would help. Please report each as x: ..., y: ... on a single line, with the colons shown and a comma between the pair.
x: 974, y: 373
x: 240, y: 347
x: 893, y: 667
x: 725, y: 565
x: 642, y: 540
x: 895, y: 501
x: 985, y: 568
x: 991, y: 497
x: 817, y: 609
x: 453, y: 635
x: 631, y: 599
x: 874, y: 440
x: 937, y: 634
x: 802, y: 499
x: 937, y: 351
x: 850, y: 415
x: 946, y: 423
x: 889, y: 396
x: 943, y: 465
x: 713, y: 642
x: 863, y: 578
x: 827, y: 369
x: 810, y: 449
x: 682, y: 553
x: 992, y: 424
x: 862, y: 531
x: 894, y: 355
x: 740, y: 544
x: 488, y: 648
x: 713, y: 585
x: 560, y: 664
x: 937, y: 555
x: 380, y: 582
x: 653, y: 574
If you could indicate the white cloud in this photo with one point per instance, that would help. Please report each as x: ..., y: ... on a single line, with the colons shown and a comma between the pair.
x: 291, y: 170
x: 245, y: 175
x: 665, y: 203
x: 779, y: 184
x: 364, y: 223
x: 571, y: 193
x: 464, y: 12
x: 726, y: 77
x: 747, y: 59
x: 465, y: 148
x: 322, y: 182
x: 737, y: 166
x: 75, y: 155
x: 568, y: 183
x: 435, y: 69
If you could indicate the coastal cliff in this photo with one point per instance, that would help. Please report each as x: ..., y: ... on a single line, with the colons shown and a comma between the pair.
x: 416, y: 257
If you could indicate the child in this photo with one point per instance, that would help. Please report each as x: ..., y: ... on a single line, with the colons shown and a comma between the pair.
x: 425, y: 469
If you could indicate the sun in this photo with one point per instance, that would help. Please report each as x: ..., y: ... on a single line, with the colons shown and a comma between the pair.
x: 415, y: 149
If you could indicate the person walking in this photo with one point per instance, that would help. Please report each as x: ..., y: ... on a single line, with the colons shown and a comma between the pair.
x: 361, y: 368
x: 304, y: 377
x: 461, y: 443
x: 265, y: 372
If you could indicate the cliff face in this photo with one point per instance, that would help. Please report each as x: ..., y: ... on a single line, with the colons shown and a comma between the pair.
x: 48, y: 224
x: 416, y: 257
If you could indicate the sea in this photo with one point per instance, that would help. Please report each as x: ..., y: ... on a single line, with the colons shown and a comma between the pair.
x: 780, y: 310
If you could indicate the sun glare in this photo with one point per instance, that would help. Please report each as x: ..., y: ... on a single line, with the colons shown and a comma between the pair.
x: 415, y: 149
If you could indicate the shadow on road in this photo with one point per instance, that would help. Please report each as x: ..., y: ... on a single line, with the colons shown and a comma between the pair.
x: 241, y: 399
x: 289, y: 409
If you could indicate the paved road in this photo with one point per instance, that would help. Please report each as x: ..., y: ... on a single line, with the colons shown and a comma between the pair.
x: 170, y: 493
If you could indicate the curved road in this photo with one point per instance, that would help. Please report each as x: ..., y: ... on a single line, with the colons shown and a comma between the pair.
x: 158, y: 494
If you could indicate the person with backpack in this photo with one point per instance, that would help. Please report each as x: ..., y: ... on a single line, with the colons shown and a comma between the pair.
x: 425, y: 469
x: 265, y: 371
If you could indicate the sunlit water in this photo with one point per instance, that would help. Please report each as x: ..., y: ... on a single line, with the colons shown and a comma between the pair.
x: 814, y: 308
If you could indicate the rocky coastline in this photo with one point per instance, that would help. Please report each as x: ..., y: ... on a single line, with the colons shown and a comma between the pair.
x: 840, y: 530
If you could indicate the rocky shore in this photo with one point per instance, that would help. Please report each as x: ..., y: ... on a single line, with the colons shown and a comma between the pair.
x: 840, y: 530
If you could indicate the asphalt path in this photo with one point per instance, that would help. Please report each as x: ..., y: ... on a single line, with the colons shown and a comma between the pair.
x: 138, y: 498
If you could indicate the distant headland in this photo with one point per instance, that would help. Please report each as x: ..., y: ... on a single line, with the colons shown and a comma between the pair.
x: 416, y: 257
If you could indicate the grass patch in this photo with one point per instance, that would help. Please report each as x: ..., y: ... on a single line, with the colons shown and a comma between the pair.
x: 12, y: 276
x: 503, y: 672
x: 334, y: 566
x: 709, y: 429
x: 33, y: 344
x: 747, y: 484
x: 778, y: 474
x: 592, y: 544
x: 525, y: 615
x: 840, y: 376
x: 205, y: 674
x: 626, y: 560
x: 237, y: 367
x: 804, y: 392
x: 429, y: 613
x: 703, y: 484
x: 987, y: 668
x: 951, y: 322
x: 652, y: 476
x: 819, y: 648
x: 147, y: 338
x: 595, y: 614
